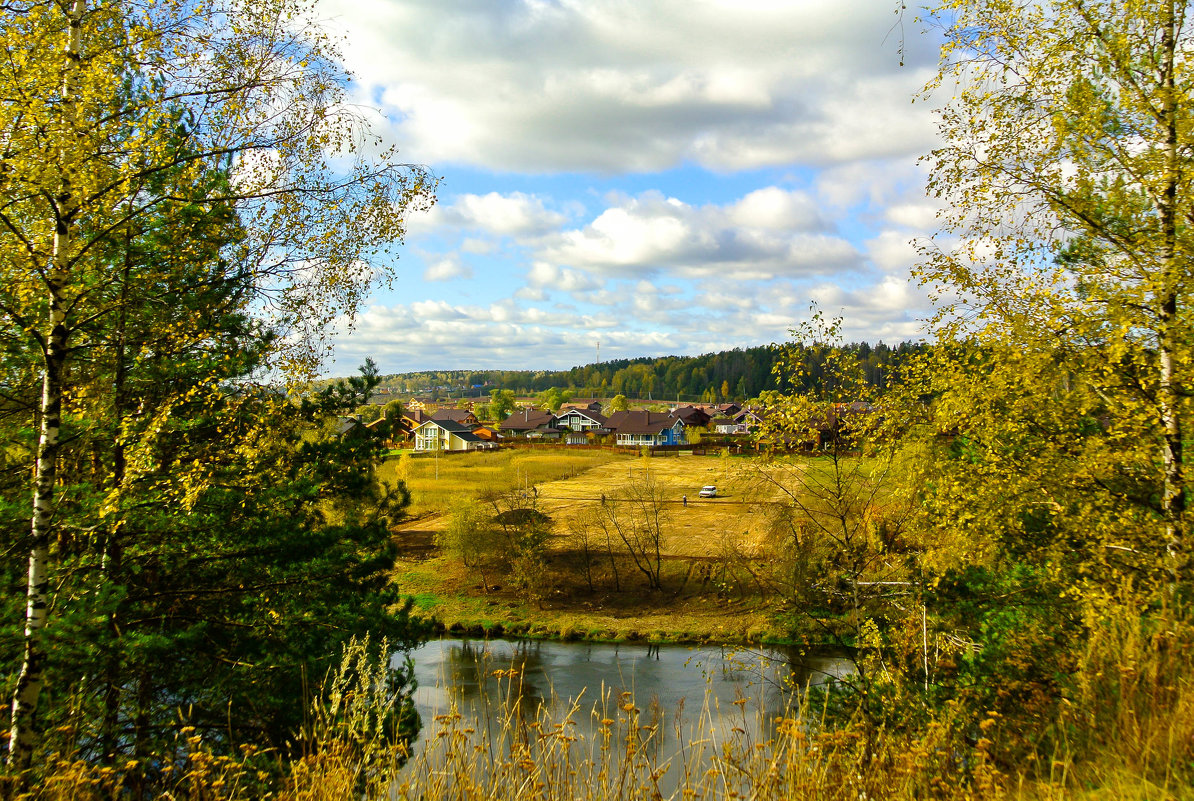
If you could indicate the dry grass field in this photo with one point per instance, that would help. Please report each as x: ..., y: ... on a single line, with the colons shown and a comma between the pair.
x: 694, y: 534
x: 693, y: 530
x: 437, y: 484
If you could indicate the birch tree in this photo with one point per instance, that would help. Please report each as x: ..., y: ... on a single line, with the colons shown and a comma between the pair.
x: 1067, y: 181
x: 103, y: 99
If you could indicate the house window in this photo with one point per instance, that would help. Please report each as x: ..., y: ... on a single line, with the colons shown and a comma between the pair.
x: 429, y: 440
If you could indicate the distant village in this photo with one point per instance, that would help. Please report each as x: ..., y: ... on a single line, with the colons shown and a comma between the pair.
x: 425, y: 428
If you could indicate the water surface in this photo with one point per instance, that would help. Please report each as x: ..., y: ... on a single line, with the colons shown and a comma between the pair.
x: 677, y: 689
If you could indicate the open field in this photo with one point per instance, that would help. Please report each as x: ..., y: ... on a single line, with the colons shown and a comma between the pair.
x: 436, y: 484
x: 690, y: 606
x: 692, y: 530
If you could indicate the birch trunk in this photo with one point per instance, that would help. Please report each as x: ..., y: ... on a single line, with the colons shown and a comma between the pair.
x: 22, y: 735
x: 1174, y: 496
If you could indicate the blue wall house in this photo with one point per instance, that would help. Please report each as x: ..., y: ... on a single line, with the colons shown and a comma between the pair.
x: 647, y: 428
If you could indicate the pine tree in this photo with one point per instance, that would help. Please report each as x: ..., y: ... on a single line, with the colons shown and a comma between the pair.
x: 126, y: 122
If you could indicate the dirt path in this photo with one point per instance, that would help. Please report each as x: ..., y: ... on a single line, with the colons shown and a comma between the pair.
x: 416, y: 538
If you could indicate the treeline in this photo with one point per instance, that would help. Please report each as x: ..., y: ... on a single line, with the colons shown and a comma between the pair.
x: 186, y: 551
x: 735, y: 374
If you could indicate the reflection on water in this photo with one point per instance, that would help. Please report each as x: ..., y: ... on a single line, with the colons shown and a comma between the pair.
x: 509, y: 683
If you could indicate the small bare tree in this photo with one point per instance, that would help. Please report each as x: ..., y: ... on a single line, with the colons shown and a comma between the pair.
x: 595, y: 536
x: 638, y: 515
x: 584, y: 530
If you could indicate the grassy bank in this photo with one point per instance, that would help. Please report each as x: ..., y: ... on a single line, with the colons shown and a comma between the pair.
x: 443, y: 590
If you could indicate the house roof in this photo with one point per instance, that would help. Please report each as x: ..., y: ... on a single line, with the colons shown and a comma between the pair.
x: 455, y: 415
x: 691, y: 415
x: 527, y: 420
x: 596, y: 417
x: 637, y: 422
x: 582, y: 405
x: 615, y: 419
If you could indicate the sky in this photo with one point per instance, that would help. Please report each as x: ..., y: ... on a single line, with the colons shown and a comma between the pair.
x: 624, y: 178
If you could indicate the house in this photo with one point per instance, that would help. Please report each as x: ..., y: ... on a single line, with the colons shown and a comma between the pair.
x: 590, y: 406
x: 531, y: 423
x: 391, y: 433
x: 350, y: 428
x: 692, y: 416
x: 404, y: 427
x: 728, y: 409
x: 578, y: 425
x: 463, y: 416
x: 445, y: 435
x: 487, y: 434
x: 647, y: 428
x: 742, y: 422
x: 750, y: 416
x: 728, y: 425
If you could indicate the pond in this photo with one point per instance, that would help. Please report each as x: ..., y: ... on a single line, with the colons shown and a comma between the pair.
x: 503, y: 689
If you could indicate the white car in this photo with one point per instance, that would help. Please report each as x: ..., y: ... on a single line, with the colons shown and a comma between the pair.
x: 708, y: 491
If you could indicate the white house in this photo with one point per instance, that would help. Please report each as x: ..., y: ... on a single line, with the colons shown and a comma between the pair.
x: 445, y: 435
x: 578, y: 423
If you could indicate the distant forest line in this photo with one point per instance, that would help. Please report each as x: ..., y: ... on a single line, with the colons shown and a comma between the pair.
x: 736, y: 374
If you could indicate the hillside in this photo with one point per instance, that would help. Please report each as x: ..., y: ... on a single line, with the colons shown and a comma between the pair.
x: 727, y: 375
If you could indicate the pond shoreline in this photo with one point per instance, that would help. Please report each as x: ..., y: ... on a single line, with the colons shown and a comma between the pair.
x: 545, y: 630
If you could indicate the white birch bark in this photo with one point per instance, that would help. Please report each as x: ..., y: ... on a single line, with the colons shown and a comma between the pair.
x: 1173, y: 496
x: 22, y: 736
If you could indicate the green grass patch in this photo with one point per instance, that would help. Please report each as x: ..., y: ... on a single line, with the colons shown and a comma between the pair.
x: 425, y: 601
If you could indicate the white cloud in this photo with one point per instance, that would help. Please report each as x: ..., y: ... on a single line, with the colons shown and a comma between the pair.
x: 772, y: 207
x: 543, y: 275
x: 609, y: 86
x: 435, y: 310
x: 921, y: 216
x: 893, y: 252
x: 447, y: 269
x: 563, y: 96
x: 872, y: 183
x: 493, y: 213
x: 477, y: 247
x: 650, y: 234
